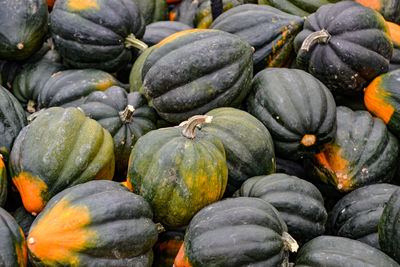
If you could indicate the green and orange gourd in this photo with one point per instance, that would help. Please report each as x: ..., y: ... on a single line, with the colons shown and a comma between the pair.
x: 3, y: 182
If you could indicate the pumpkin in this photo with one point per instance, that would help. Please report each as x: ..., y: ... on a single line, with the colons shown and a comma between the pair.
x: 98, y: 223
x: 24, y: 219
x: 167, y: 246
x: 59, y: 149
x: 301, y: 8
x: 394, y: 30
x: 344, y: 45
x: 236, y: 232
x: 96, y: 33
x: 211, y: 69
x: 157, y: 31
x: 178, y: 170
x: 126, y: 116
x: 363, y: 152
x: 13, y: 251
x: 340, y: 251
x: 248, y: 145
x: 270, y: 31
x: 390, y: 9
x: 300, y: 116
x: 23, y: 28
x: 152, y: 10
x: 3, y: 182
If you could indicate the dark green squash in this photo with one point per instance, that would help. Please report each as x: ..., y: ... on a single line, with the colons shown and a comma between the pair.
x: 157, y: 31
x: 153, y: 10
x: 96, y: 33
x: 178, y: 170
x: 301, y: 8
x: 268, y: 30
x: 194, y: 71
x: 24, y: 219
x: 357, y: 214
x: 13, y: 250
x: 344, y: 45
x: 167, y: 246
x: 23, y: 28
x: 299, y: 203
x: 334, y: 251
x: 363, y: 152
x: 59, y: 149
x: 394, y: 30
x: 300, y: 115
x: 135, y: 77
x: 107, y: 225
x: 248, y: 145
x: 3, y: 182
x: 126, y: 116
x: 8, y: 71
x: 390, y: 9
x: 236, y: 232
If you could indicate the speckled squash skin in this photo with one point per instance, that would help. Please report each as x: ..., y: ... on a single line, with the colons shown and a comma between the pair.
x: 13, y: 250
x: 157, y: 31
x: 59, y: 149
x: 390, y: 9
x: 98, y: 223
x: 273, y: 47
x: 363, y: 152
x: 340, y: 251
x: 301, y: 8
x: 357, y: 214
x: 153, y: 10
x: 349, y: 47
x: 211, y: 69
x: 3, y: 182
x: 394, y: 30
x: 300, y: 115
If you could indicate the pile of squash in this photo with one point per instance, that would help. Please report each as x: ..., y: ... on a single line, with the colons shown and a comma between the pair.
x: 199, y: 133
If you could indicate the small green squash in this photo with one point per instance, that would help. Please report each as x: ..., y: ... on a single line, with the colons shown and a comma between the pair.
x: 157, y: 31
x: 301, y: 8
x: 153, y: 10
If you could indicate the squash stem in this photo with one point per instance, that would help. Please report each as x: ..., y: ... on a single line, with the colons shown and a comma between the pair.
x: 131, y: 41
x: 321, y: 37
x: 31, y: 106
x: 126, y: 114
x: 289, y: 242
x: 191, y: 124
x: 160, y: 228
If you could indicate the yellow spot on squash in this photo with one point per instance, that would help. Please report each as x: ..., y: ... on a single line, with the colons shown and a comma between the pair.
x: 172, y: 16
x: 177, y: 35
x: 103, y: 85
x: 374, y: 4
x: 82, y: 4
x: 1, y: 162
x: 375, y: 100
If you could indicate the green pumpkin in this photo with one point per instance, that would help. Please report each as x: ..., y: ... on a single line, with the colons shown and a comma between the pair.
x: 107, y: 225
x: 153, y: 10
x: 301, y: 8
x: 157, y: 31
x: 178, y: 170
x: 59, y: 149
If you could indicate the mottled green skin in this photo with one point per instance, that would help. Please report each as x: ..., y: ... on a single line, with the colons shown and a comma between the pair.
x: 11, y: 237
x: 153, y: 10
x: 22, y: 22
x: 356, y: 215
x: 178, y: 176
x: 24, y: 219
x: 69, y: 88
x: 94, y: 38
x: 358, y: 50
x: 135, y: 77
x: 299, y: 203
x: 334, y: 251
x: 196, y: 72
x: 302, y: 106
x: 3, y: 183
x: 62, y: 147
x: 105, y: 107
x: 12, y: 120
x: 124, y: 232
x: 248, y: 145
x: 273, y: 47
x: 157, y: 31
x: 236, y: 232
x: 301, y: 8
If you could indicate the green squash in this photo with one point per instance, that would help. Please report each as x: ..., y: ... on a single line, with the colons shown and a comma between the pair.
x: 167, y: 246
x: 390, y: 9
x: 135, y: 77
x: 59, y: 149
x: 178, y: 170
x: 157, y: 31
x: 344, y: 45
x: 153, y: 10
x: 8, y: 71
x: 3, y: 182
x: 300, y: 115
x: 301, y: 8
x: 24, y: 219
x: 394, y: 30
x: 107, y: 225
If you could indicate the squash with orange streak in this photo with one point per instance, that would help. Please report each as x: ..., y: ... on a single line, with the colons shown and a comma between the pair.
x: 167, y: 246
x: 3, y: 182
x: 363, y: 152
x: 98, y: 223
x: 59, y: 149
x: 153, y: 10
x: 50, y: 3
x: 390, y: 9
x: 13, y: 250
x: 394, y: 30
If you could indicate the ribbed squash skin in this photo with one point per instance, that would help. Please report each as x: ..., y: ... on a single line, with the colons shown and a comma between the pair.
x: 3, y: 182
x: 299, y: 203
x: 135, y: 77
x: 99, y: 223
x: 363, y: 152
x: 13, y: 251
x: 152, y: 10
x: 390, y: 9
x: 211, y: 69
x: 178, y: 176
x: 357, y: 214
x: 301, y: 107
x: 394, y: 30
x: 270, y: 31
x: 105, y: 107
x: 69, y: 88
x: 167, y: 247
x: 23, y: 27
x: 59, y: 149
x: 91, y: 33
x: 248, y: 145
x: 341, y: 252
x: 358, y: 50
x: 12, y: 120
x: 301, y: 8
x: 235, y: 232
x: 157, y: 31
x: 24, y: 219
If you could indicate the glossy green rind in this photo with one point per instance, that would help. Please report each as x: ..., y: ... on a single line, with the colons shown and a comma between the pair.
x: 153, y: 10
x: 301, y: 8
x: 157, y: 31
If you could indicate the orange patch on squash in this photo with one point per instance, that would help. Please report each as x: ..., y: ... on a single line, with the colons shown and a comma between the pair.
x: 375, y: 100
x: 103, y: 85
x: 170, y: 247
x: 181, y: 260
x: 374, y: 4
x: 82, y: 4
x: 21, y: 251
x: 128, y: 185
x: 1, y: 162
x: 394, y: 31
x: 50, y: 3
x: 177, y: 35
x: 172, y: 16
x: 32, y: 190
x: 59, y: 234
